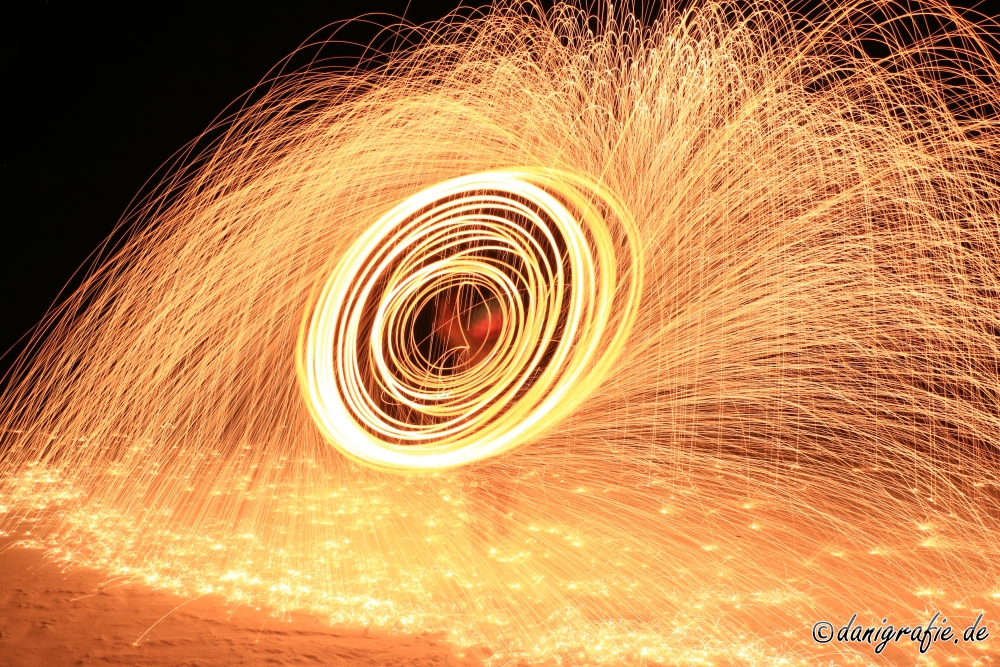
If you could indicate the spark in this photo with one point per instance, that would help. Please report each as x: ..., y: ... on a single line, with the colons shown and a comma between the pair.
x: 684, y: 335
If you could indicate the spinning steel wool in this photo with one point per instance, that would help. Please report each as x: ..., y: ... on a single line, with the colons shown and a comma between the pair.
x: 684, y: 334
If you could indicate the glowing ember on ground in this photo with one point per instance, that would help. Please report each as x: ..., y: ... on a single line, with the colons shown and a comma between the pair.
x: 793, y: 418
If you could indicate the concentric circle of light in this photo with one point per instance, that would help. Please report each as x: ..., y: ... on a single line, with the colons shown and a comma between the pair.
x: 556, y: 255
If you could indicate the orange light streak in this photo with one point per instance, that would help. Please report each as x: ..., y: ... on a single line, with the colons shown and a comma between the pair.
x: 686, y: 335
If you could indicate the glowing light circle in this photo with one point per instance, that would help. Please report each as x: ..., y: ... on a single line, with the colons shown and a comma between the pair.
x: 556, y: 257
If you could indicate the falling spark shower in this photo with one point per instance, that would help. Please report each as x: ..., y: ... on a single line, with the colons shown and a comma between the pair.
x: 585, y: 340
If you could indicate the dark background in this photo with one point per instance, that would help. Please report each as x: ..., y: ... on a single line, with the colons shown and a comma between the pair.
x: 96, y: 98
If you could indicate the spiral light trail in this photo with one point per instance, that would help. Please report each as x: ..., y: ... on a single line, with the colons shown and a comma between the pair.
x: 684, y: 332
x: 551, y: 263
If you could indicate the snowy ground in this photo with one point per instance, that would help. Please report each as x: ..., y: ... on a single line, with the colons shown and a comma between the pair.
x: 50, y: 617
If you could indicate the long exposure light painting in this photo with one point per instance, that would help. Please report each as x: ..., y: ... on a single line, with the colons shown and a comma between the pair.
x: 587, y: 341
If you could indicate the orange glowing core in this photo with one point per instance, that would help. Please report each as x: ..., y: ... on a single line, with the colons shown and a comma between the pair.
x: 467, y: 324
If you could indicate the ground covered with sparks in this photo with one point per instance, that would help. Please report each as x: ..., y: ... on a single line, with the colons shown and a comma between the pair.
x: 51, y: 614
x: 573, y: 339
x: 708, y: 599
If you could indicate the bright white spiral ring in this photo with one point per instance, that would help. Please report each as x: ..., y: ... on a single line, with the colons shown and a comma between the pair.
x: 556, y: 257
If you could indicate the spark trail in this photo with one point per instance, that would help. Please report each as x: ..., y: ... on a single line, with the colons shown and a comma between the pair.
x: 756, y: 266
